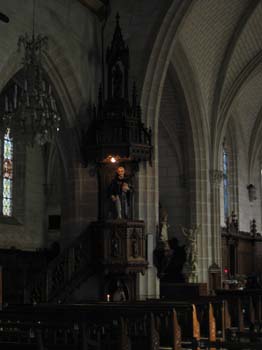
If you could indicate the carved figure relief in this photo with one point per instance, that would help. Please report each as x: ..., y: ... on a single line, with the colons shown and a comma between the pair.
x: 120, y: 292
x: 191, y: 246
x: 163, y: 215
x: 115, y: 246
x: 134, y: 244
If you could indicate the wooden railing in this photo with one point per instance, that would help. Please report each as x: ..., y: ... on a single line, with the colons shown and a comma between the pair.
x: 17, y: 268
x: 147, y: 325
x: 100, y: 326
x: 244, y: 307
x: 63, y: 274
x: 153, y: 325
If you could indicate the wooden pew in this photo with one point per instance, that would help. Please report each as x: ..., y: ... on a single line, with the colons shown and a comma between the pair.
x: 147, y: 325
x: 245, y: 311
x: 103, y: 325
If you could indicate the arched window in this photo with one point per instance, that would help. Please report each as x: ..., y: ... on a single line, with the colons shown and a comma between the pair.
x: 230, y: 188
x: 225, y: 183
x: 7, y: 174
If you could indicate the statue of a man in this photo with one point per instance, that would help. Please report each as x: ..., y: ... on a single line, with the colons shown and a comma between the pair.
x: 120, y: 192
x: 191, y: 245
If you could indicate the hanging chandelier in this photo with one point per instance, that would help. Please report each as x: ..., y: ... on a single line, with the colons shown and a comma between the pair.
x: 31, y: 108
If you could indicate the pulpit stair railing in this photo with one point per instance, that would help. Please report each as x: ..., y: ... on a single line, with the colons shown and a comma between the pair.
x: 63, y: 275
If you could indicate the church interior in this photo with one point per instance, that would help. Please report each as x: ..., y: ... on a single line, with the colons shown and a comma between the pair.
x: 131, y: 174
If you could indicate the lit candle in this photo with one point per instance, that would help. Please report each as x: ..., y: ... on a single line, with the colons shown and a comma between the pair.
x: 108, y: 297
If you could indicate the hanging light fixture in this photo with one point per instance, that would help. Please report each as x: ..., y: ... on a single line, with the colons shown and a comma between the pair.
x: 31, y: 109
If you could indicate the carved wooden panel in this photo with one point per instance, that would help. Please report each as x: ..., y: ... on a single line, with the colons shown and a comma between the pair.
x: 119, y: 246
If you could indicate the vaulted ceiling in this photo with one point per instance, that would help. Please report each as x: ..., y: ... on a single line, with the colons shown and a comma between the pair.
x: 223, y: 43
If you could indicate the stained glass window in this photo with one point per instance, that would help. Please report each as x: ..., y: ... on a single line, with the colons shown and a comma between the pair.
x: 225, y: 182
x: 7, y: 174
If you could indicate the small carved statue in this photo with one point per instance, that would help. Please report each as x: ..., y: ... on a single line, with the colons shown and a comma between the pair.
x: 163, y: 253
x: 115, y: 246
x: 163, y: 225
x: 163, y: 228
x: 134, y: 247
x: 119, y: 293
x: 120, y: 193
x: 191, y: 245
x: 252, y: 195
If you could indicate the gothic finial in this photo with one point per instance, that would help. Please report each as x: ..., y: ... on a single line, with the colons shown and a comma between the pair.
x: 117, y: 19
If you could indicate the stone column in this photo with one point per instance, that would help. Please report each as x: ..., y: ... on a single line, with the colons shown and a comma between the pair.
x: 148, y: 199
x: 216, y: 177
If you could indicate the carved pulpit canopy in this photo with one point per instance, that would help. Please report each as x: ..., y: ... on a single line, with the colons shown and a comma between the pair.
x: 116, y: 132
x: 115, y: 142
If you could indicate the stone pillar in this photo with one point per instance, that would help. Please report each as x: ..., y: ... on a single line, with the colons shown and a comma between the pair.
x: 216, y: 177
x: 148, y: 284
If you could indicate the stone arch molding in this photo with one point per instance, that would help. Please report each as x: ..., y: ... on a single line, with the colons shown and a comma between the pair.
x: 232, y: 44
x: 201, y: 144
x: 159, y: 62
x: 13, y: 64
x: 167, y: 51
x: 250, y: 70
x: 194, y: 101
x: 151, y: 97
x: 169, y: 130
x: 165, y: 47
x: 68, y: 101
x: 255, y: 147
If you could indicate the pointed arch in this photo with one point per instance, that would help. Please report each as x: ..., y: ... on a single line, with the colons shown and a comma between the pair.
x: 201, y: 143
x: 255, y: 146
x: 228, y: 148
x: 151, y: 97
x: 251, y: 69
x: 165, y: 47
x: 223, y: 70
x: 67, y: 88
